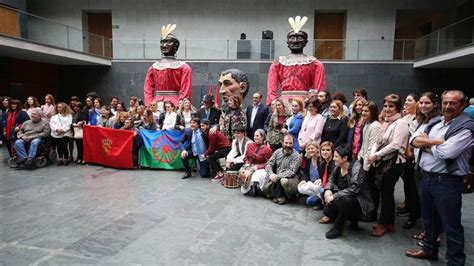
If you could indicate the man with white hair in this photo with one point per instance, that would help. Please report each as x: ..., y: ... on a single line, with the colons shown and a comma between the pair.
x: 30, y: 137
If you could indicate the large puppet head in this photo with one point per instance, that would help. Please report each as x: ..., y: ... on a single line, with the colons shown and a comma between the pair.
x: 233, y: 82
x: 296, y: 38
x: 169, y: 44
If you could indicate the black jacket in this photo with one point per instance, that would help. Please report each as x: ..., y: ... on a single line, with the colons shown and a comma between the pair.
x: 260, y: 118
x: 213, y: 118
x: 354, y: 185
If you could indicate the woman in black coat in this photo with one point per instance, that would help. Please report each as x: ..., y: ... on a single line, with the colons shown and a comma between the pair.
x: 335, y: 129
x: 346, y: 194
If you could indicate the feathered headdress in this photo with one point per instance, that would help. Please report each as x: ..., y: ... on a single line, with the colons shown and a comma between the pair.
x: 167, y: 30
x: 297, y: 23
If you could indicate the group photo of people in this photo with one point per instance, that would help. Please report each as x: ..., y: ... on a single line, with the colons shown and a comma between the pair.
x: 298, y: 141
x: 343, y: 160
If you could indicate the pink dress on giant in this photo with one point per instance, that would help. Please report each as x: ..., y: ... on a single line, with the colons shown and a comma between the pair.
x: 168, y: 79
x: 295, y: 74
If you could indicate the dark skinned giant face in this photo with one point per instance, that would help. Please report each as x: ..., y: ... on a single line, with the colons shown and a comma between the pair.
x: 296, y: 42
x: 168, y: 46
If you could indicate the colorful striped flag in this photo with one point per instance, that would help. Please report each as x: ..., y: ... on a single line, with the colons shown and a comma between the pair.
x: 160, y: 149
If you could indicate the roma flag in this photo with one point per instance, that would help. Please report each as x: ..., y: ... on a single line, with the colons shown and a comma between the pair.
x: 160, y: 149
x: 109, y: 147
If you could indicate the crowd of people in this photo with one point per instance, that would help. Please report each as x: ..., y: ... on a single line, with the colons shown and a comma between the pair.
x: 346, y: 160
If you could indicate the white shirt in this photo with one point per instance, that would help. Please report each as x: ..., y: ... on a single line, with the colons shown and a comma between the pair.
x: 170, y: 121
x: 63, y: 122
x: 236, y: 149
x: 254, y: 114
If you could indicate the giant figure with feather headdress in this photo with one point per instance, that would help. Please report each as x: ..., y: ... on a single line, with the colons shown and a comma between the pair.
x: 168, y: 79
x: 295, y: 73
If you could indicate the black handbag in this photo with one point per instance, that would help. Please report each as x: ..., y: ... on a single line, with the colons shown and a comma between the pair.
x: 385, y: 164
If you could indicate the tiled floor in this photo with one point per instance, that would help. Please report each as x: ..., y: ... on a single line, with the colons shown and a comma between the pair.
x: 96, y: 215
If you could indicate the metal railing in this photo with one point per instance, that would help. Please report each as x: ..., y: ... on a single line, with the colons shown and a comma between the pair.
x: 43, y: 31
x: 449, y: 38
x: 263, y: 50
x: 47, y: 32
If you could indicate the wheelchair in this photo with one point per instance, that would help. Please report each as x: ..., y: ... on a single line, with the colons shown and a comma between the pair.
x: 44, y: 155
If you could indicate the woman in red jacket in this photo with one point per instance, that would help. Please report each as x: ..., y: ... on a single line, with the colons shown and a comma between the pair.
x: 15, y: 118
x: 256, y: 157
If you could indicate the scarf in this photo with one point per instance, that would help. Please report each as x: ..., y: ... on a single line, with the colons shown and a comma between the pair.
x: 390, y: 119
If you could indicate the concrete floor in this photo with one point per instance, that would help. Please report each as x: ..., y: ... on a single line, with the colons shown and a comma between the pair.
x: 95, y: 215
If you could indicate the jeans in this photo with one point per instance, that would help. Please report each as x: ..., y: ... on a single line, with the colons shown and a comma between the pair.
x: 441, y: 203
x: 213, y: 160
x: 23, y: 152
x: 315, y: 199
x: 203, y: 166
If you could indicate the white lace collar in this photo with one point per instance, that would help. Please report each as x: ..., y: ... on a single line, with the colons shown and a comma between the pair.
x: 168, y: 62
x: 296, y: 59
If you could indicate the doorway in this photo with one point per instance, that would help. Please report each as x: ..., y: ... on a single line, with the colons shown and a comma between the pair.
x: 329, y: 35
x: 100, y: 25
x: 9, y: 22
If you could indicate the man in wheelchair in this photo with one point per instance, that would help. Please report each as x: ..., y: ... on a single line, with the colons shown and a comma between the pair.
x: 30, y: 137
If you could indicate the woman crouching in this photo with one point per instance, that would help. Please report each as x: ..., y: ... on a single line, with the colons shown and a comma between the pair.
x: 346, y: 195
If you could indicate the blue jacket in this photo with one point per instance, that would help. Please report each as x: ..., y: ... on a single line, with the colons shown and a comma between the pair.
x: 294, y: 128
x: 93, y: 118
x: 185, y: 143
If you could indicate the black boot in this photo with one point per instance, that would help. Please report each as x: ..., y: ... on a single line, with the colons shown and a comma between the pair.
x: 333, y: 233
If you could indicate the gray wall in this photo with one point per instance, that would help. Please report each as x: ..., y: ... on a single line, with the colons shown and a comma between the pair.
x: 226, y: 19
x: 126, y: 79
x: 19, y: 4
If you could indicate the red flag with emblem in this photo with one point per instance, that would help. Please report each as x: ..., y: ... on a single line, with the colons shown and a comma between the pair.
x: 109, y: 147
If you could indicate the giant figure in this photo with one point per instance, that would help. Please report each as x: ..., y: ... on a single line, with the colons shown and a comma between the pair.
x: 296, y: 73
x: 168, y: 78
x: 233, y: 82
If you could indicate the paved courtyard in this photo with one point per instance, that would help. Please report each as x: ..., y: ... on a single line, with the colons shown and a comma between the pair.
x: 95, y: 215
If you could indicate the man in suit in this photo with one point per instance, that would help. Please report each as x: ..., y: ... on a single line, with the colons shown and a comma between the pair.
x: 193, y: 144
x: 209, y: 112
x: 257, y: 114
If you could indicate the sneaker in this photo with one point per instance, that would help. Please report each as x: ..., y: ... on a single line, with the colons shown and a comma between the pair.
x: 218, y: 178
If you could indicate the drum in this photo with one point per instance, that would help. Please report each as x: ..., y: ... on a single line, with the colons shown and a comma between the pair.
x: 231, y: 179
x: 245, y: 175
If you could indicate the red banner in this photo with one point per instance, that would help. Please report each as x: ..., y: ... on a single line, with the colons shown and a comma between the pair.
x: 109, y: 147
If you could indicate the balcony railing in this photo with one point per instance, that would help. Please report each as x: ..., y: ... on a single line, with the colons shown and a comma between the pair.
x: 47, y: 32
x: 449, y: 38
x: 26, y: 26
x: 266, y: 50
